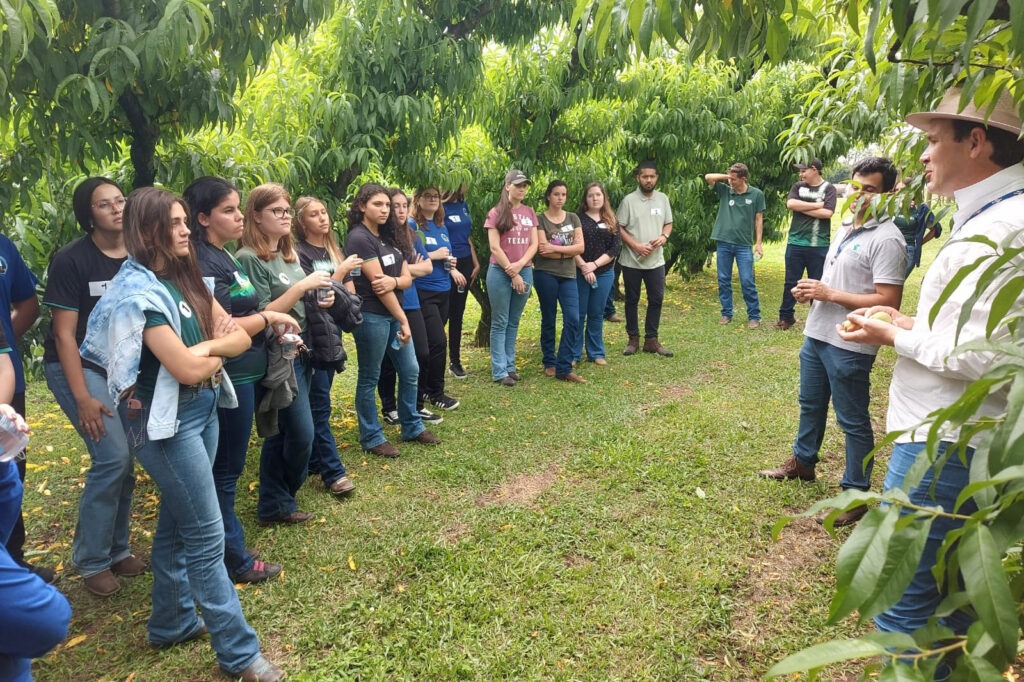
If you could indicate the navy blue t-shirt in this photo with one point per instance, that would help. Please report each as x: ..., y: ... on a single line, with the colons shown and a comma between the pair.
x: 17, y: 283
x: 459, y: 224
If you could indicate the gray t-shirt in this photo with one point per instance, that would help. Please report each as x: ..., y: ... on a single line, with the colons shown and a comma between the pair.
x: 874, y: 253
x: 643, y: 217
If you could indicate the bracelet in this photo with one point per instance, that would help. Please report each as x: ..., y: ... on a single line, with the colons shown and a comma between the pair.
x: 396, y: 281
x: 266, y: 322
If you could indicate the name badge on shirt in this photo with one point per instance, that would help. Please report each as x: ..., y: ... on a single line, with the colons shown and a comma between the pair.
x: 567, y: 228
x: 655, y: 211
x: 284, y: 279
x: 431, y: 241
x: 455, y: 219
x: 388, y: 259
x: 602, y: 226
x: 749, y: 202
x: 97, y: 289
x: 526, y: 222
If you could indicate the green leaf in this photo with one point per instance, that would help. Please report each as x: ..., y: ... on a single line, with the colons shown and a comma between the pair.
x: 986, y: 583
x: 861, y: 560
x: 901, y: 562
x: 778, y: 38
x: 1007, y: 298
x: 901, y: 672
x: 820, y: 655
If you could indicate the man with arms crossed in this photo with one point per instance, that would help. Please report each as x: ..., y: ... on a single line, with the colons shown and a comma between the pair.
x: 978, y: 164
x: 812, y: 201
x: 645, y: 222
x: 738, y: 227
x: 865, y: 267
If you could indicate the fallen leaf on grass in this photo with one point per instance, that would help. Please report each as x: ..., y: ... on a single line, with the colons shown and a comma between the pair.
x: 699, y: 492
x: 351, y: 562
x: 75, y: 641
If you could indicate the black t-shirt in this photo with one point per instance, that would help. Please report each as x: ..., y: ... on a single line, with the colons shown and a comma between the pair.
x: 78, y: 276
x: 314, y: 258
x: 237, y: 295
x: 361, y: 242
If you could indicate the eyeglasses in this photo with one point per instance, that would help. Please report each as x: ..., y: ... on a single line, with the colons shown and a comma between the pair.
x: 430, y: 196
x: 280, y: 212
x: 113, y: 205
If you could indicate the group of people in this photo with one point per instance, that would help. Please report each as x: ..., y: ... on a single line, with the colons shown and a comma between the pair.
x: 165, y: 347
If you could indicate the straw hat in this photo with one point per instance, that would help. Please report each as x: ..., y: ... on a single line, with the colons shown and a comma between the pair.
x: 1005, y: 115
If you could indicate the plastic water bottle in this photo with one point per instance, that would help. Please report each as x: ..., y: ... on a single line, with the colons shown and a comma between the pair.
x: 290, y: 346
x: 12, y: 441
x: 396, y: 342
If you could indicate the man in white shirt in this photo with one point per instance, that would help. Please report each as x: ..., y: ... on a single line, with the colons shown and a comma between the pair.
x: 976, y: 160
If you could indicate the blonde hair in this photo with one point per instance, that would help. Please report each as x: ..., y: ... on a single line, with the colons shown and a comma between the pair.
x: 253, y: 236
x: 330, y: 243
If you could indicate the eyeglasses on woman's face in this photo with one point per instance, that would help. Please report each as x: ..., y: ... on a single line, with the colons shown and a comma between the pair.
x: 110, y: 204
x: 280, y: 211
x: 430, y: 196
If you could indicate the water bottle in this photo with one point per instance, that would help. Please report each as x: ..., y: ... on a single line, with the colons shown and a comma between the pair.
x: 593, y: 285
x: 323, y: 294
x: 396, y: 342
x: 290, y: 346
x: 12, y: 441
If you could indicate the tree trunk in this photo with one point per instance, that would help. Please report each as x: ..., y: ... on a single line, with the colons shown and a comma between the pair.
x: 482, y: 337
x: 145, y: 133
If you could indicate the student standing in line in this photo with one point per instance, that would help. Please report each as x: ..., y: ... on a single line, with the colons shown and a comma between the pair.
x: 384, y: 276
x: 318, y: 251
x: 512, y: 236
x: 559, y: 241
x: 78, y: 276
x: 215, y: 219
x: 460, y: 228
x: 163, y: 339
x: 419, y: 265
x: 433, y: 291
x: 270, y: 261
x: 595, y: 270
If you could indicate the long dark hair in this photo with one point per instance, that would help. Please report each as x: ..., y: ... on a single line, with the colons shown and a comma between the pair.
x: 202, y: 196
x: 147, y: 236
x: 607, y: 214
x: 552, y: 186
x: 389, y: 230
x: 503, y: 219
x: 81, y: 200
x: 403, y: 233
x: 417, y: 213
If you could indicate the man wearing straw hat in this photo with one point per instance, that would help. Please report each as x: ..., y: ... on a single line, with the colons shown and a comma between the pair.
x: 976, y: 160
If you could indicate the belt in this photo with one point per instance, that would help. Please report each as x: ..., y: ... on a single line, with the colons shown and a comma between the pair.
x: 212, y: 382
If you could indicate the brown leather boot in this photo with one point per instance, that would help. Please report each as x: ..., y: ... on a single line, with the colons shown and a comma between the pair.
x: 790, y: 469
x: 653, y: 346
x: 633, y: 346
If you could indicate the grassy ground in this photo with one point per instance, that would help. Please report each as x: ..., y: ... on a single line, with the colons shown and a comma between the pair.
x: 609, y: 531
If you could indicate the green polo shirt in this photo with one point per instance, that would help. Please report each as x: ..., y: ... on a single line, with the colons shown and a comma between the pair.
x: 735, y: 222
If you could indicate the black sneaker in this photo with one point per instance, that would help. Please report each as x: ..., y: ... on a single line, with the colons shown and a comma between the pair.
x: 445, y: 402
x: 44, y: 573
x: 456, y: 371
x: 391, y: 418
x: 429, y: 417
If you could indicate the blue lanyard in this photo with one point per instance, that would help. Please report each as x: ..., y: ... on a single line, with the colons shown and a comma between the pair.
x: 854, y: 232
x: 999, y: 200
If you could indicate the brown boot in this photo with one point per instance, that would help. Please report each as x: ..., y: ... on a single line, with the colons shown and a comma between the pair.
x: 653, y: 346
x: 791, y: 468
x: 633, y: 346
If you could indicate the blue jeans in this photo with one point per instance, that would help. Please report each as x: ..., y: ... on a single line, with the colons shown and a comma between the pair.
x: 105, y: 508
x: 922, y: 596
x: 798, y: 260
x: 593, y: 310
x: 744, y: 257
x: 188, y: 546
x: 553, y: 292
x: 828, y: 372
x: 506, y: 309
x: 284, y: 459
x: 373, y: 339
x: 232, y: 447
x: 325, y: 460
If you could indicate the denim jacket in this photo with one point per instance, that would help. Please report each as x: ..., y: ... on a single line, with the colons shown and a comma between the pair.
x: 113, y: 340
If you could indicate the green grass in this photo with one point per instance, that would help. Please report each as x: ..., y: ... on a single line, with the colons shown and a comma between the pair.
x: 609, y: 531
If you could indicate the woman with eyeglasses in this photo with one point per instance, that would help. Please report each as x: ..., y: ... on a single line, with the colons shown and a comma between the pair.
x: 163, y: 340
x: 215, y: 219
x: 318, y: 251
x: 373, y: 236
x: 270, y: 261
x: 78, y: 276
x: 433, y: 291
x: 512, y: 235
x: 419, y: 265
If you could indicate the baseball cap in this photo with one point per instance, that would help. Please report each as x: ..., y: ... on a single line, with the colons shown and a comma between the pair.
x: 516, y: 177
x: 815, y: 163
